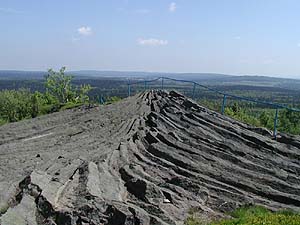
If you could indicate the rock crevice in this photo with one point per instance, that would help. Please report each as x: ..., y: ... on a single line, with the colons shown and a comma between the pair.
x: 148, y: 159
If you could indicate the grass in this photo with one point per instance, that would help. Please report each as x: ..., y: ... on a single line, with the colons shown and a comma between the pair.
x: 254, y: 215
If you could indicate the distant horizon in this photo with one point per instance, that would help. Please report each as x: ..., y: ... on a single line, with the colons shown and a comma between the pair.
x: 255, y: 38
x: 155, y: 72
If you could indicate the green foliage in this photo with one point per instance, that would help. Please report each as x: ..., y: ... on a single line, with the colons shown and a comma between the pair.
x: 113, y: 99
x: 260, y: 216
x: 192, y: 220
x: 59, y: 85
x: 2, y: 121
x: 211, y: 104
x: 34, y: 105
x: 266, y: 119
x: 83, y: 93
x: 241, y: 114
x: 20, y: 104
x: 15, y: 105
x: 255, y: 215
x: 288, y: 121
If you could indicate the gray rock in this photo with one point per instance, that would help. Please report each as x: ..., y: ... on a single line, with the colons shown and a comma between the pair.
x: 148, y: 159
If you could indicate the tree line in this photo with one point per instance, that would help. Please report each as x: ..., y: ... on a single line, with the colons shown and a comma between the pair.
x: 60, y: 94
x: 19, y: 104
x: 288, y: 121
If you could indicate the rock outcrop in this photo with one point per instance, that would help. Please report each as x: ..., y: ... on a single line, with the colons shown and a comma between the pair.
x: 148, y: 159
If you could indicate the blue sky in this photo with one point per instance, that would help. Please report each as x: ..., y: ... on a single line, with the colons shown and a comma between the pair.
x: 253, y: 37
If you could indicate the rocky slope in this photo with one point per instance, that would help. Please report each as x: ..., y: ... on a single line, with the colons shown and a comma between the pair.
x: 148, y: 159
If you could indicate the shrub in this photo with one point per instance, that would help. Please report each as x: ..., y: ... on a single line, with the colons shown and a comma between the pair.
x: 15, y: 105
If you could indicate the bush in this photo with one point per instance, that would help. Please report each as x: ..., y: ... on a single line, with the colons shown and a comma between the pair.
x: 15, y: 105
x: 2, y: 121
x: 58, y: 85
x: 289, y: 122
x: 19, y: 104
x: 242, y: 115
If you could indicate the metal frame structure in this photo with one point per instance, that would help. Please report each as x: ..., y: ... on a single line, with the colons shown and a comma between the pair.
x: 225, y: 96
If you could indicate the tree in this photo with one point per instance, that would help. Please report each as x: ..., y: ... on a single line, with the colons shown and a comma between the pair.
x: 59, y: 85
x: 34, y: 105
x: 266, y: 119
x: 289, y: 122
x: 18, y: 104
x: 83, y: 93
x: 15, y: 105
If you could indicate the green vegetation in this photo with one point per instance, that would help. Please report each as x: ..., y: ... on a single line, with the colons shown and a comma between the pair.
x: 59, y: 91
x: 20, y: 104
x: 252, y: 216
x: 259, y: 116
x: 58, y: 85
x: 16, y: 105
x: 112, y: 99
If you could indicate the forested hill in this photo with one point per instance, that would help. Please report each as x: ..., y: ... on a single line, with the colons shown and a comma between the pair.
x: 17, y: 74
x: 21, y: 75
x: 210, y: 77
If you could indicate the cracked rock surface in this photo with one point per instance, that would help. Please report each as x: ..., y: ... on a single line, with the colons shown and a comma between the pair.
x: 148, y: 159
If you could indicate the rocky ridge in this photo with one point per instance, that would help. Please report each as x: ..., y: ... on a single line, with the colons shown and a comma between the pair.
x: 148, y: 159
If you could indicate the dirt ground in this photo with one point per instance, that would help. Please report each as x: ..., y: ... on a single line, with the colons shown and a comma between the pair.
x: 148, y: 159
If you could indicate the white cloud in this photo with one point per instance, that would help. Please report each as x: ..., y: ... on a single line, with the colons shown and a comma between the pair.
x: 172, y: 7
x: 152, y: 42
x: 85, y: 31
x: 237, y: 37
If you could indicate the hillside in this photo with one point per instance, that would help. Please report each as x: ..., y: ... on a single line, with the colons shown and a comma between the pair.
x: 148, y: 159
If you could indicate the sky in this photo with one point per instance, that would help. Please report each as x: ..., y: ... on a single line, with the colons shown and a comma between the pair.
x: 242, y: 37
